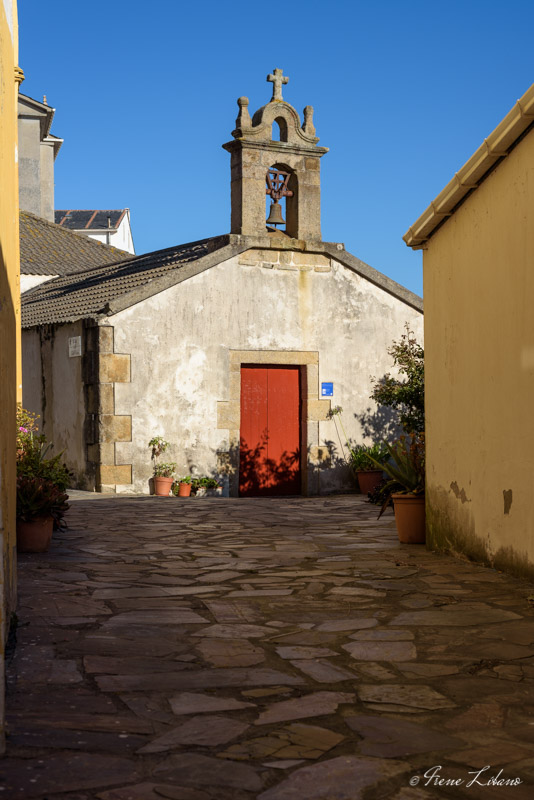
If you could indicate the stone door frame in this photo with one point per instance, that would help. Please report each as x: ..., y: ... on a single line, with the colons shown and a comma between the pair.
x: 314, y: 410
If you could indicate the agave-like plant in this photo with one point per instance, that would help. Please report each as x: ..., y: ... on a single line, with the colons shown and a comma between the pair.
x: 406, y: 467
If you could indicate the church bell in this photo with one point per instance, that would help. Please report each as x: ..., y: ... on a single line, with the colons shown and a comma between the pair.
x: 275, y: 214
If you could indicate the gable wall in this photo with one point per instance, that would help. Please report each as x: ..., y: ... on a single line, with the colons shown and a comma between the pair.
x: 181, y: 343
x: 479, y: 348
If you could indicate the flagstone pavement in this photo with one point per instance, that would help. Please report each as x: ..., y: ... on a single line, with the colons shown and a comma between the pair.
x: 222, y: 649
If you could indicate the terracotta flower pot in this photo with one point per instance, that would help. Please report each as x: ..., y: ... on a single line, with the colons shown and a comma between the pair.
x: 184, y: 490
x: 410, y: 518
x: 34, y: 536
x: 162, y: 486
x: 368, y: 479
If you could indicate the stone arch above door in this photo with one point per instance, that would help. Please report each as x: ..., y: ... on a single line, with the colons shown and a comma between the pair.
x: 314, y: 410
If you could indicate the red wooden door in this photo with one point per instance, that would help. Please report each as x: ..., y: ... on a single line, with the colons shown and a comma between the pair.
x: 270, y: 431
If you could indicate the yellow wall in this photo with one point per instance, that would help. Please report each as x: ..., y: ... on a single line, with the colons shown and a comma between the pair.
x: 9, y: 320
x: 479, y: 361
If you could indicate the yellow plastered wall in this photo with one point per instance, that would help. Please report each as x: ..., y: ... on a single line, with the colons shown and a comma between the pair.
x: 9, y: 321
x: 479, y: 361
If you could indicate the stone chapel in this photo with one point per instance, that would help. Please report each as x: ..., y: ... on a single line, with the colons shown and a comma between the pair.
x: 233, y: 348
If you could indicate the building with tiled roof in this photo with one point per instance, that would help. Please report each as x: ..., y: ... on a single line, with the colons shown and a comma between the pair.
x: 232, y: 348
x: 38, y: 149
x: 110, y: 227
x: 48, y: 251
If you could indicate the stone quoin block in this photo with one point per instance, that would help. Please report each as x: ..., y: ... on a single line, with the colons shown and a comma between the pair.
x: 105, y: 339
x: 109, y: 474
x: 318, y: 409
x: 102, y: 453
x: 100, y: 398
x: 311, y: 259
x: 112, y: 428
x: 114, y: 368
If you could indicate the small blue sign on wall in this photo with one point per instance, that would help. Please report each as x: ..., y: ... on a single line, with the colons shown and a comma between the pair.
x: 327, y: 389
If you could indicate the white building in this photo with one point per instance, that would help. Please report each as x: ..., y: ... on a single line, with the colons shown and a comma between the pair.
x: 109, y: 227
x: 233, y: 348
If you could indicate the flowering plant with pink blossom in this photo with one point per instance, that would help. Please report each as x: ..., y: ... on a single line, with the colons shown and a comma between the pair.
x: 41, y: 478
x: 27, y: 431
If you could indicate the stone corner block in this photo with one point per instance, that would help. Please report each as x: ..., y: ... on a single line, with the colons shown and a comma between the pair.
x: 225, y: 462
x: 226, y: 415
x: 320, y: 455
x: 101, y: 453
x: 113, y: 474
x: 114, y: 368
x: 100, y: 398
x: 112, y: 428
x: 318, y: 410
x: 105, y: 338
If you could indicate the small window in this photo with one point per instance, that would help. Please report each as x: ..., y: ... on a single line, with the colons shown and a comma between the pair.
x: 279, y: 130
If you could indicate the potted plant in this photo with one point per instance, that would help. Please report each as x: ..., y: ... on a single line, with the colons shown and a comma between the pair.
x: 41, y: 485
x: 185, y: 485
x: 406, y: 486
x: 364, y: 460
x: 163, y: 478
x: 163, y: 473
x: 41, y: 503
x: 200, y: 487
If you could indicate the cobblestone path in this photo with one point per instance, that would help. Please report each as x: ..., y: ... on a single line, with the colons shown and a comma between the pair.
x: 214, y: 649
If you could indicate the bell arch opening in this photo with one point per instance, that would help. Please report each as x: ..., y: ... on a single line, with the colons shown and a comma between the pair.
x: 279, y: 130
x: 281, y: 207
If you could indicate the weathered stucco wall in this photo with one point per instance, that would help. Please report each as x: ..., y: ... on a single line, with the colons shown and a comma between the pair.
x: 30, y: 163
x: 479, y: 353
x: 53, y: 388
x: 180, y: 342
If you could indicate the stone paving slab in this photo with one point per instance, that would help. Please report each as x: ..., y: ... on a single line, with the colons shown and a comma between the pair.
x: 279, y: 649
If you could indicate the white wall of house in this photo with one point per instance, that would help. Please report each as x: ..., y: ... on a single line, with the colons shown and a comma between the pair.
x: 28, y: 282
x: 180, y: 339
x: 120, y: 237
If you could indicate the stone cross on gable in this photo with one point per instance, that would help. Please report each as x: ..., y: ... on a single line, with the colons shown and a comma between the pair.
x: 277, y: 80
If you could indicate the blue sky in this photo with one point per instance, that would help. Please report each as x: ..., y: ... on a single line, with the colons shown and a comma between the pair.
x: 145, y: 93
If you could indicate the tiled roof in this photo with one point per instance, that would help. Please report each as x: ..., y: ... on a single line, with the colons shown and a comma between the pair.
x: 107, y: 290
x: 47, y: 249
x: 88, y: 294
x: 77, y: 220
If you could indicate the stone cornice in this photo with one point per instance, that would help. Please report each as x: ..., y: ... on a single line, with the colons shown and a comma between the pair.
x: 275, y: 147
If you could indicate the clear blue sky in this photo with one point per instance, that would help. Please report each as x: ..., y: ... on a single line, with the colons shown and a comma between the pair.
x: 145, y: 93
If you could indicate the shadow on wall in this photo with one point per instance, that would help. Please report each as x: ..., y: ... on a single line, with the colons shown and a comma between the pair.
x: 251, y: 472
x: 379, y: 425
